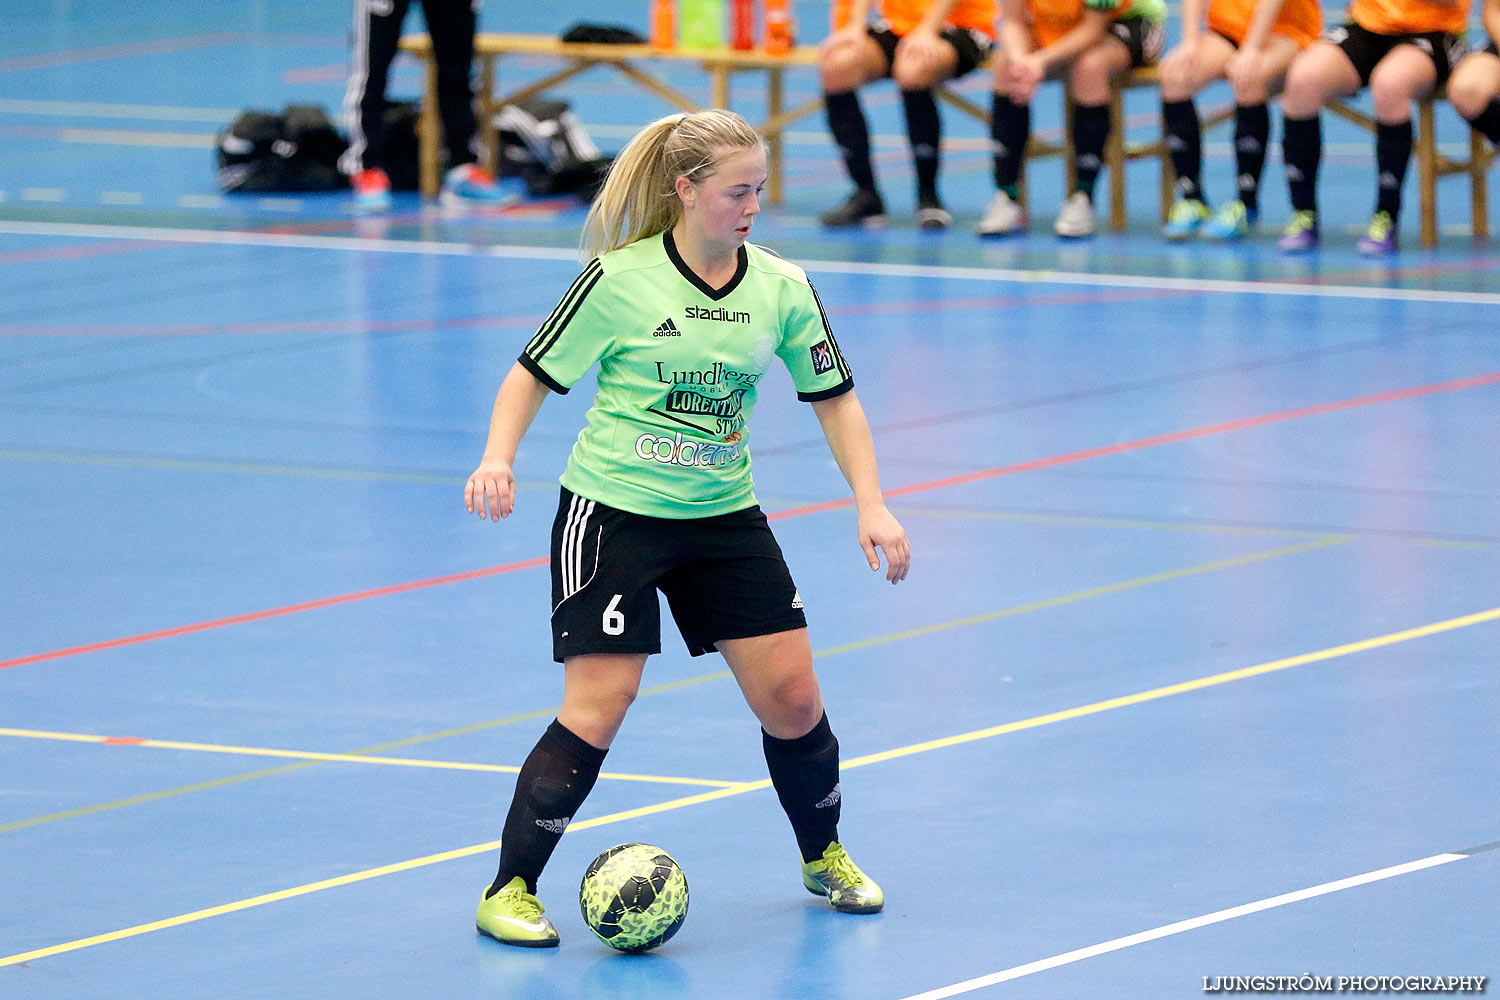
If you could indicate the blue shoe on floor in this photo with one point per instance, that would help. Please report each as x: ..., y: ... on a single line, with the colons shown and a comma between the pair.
x: 467, y: 184
x: 1230, y: 224
x: 1183, y: 220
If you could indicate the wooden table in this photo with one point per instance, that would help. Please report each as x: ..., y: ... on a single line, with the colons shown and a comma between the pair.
x: 641, y: 64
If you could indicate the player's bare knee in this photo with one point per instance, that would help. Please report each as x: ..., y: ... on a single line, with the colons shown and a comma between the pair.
x: 1467, y: 96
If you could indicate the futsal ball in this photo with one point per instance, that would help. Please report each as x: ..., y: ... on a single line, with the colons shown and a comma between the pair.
x: 634, y: 897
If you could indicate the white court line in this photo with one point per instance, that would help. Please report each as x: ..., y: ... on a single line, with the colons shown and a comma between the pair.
x: 84, y: 109
x: 1167, y: 930
x: 1077, y: 278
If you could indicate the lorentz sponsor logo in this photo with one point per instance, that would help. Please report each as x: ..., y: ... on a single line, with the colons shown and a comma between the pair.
x: 718, y: 314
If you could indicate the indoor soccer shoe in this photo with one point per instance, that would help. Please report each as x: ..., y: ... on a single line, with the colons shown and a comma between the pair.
x: 1183, y: 220
x: 372, y: 190
x: 1300, y: 234
x: 931, y: 214
x: 1076, y: 220
x: 467, y: 184
x: 1381, y: 238
x: 862, y: 208
x: 836, y: 876
x: 1002, y: 217
x: 1232, y: 222
x: 514, y: 916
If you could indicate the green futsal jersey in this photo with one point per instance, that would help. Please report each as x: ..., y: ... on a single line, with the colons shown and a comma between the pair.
x: 679, y: 363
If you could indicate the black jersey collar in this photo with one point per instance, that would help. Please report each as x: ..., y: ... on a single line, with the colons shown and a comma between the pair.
x: 716, y: 294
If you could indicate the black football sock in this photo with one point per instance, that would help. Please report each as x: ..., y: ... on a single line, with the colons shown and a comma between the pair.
x: 805, y: 774
x: 1010, y: 130
x: 1488, y: 122
x: 924, y: 129
x: 1301, y: 150
x: 554, y: 781
x: 1185, y: 145
x: 1252, y: 131
x: 1090, y: 133
x: 846, y: 123
x: 1392, y: 155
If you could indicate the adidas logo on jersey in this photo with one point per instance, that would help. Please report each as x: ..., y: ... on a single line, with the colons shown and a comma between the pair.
x: 667, y: 329
x: 797, y: 599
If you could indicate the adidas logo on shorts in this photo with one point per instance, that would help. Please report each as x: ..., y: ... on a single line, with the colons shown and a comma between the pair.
x: 797, y: 599
x: 667, y: 329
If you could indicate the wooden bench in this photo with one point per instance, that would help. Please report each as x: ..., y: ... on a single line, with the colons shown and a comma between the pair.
x: 721, y: 65
x: 1120, y: 153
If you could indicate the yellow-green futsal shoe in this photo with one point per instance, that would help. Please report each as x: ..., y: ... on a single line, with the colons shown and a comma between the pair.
x: 836, y: 876
x: 514, y: 916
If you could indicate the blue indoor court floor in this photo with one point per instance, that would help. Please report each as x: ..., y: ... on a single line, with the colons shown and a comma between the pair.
x: 1195, y: 674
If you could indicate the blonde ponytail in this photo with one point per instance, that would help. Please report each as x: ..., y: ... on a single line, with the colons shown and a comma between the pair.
x: 639, y: 197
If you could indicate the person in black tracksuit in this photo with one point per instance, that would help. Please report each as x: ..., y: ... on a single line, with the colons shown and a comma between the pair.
x: 377, y: 29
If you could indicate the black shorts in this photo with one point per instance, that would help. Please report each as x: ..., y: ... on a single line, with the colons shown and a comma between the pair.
x: 724, y: 578
x: 1143, y: 38
x: 1365, y: 48
x: 1492, y: 49
x: 973, y: 47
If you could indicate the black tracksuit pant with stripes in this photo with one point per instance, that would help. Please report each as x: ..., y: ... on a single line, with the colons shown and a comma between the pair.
x: 377, y: 29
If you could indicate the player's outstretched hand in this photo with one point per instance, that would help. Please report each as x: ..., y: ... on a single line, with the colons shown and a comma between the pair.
x: 879, y: 529
x: 491, y: 491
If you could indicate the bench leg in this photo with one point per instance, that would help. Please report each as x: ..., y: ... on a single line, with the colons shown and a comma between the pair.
x: 1427, y: 172
x: 430, y: 127
x: 1479, y: 163
x: 773, y: 139
x: 1114, y: 156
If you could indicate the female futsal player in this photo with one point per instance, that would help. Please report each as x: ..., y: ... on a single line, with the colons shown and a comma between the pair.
x: 683, y: 317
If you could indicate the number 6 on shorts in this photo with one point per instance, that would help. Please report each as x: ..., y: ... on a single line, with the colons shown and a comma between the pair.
x: 614, y: 621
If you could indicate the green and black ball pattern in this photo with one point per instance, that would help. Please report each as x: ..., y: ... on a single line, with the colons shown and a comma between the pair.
x: 634, y: 897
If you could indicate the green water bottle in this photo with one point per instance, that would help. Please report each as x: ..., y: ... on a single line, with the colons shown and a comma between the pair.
x: 700, y: 24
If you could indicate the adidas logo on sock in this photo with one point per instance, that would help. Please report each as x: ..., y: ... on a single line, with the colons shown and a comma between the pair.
x: 667, y: 329
x: 556, y: 826
x: 833, y: 798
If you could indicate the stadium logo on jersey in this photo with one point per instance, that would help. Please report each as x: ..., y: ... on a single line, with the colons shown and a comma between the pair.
x: 718, y: 315
x: 667, y: 329
x: 822, y: 357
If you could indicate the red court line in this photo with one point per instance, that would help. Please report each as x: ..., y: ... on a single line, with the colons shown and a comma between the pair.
x: 1395, y: 395
x: 1473, y: 382
x: 256, y: 616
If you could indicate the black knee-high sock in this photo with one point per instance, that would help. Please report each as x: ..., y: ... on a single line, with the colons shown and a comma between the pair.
x: 805, y: 774
x: 553, y: 783
x: 1010, y: 130
x: 1302, y: 149
x: 1487, y: 123
x: 1392, y: 154
x: 846, y: 122
x: 925, y: 131
x: 1252, y: 131
x: 1185, y: 146
x: 1090, y: 133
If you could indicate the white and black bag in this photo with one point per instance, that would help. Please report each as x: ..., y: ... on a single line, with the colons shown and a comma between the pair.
x: 543, y: 142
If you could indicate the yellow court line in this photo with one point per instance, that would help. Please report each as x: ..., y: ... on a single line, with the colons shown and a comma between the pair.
x: 716, y: 676
x: 1330, y: 653
x: 347, y: 758
x: 1155, y: 694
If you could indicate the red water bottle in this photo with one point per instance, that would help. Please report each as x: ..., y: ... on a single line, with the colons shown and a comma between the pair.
x: 780, y: 30
x: 742, y: 24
